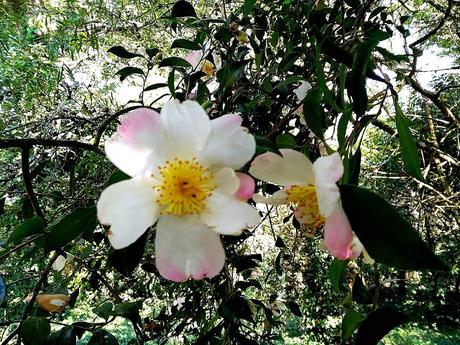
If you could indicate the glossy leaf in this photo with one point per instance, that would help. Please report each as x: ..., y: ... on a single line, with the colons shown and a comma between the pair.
x: 65, y: 336
x: 351, y: 321
x: 186, y: 44
x: 227, y: 75
x: 313, y: 111
x: 174, y: 61
x: 155, y: 86
x: 236, y: 307
x: 104, y: 310
x: 386, y: 235
x: 183, y: 9
x: 127, y: 71
x: 409, y: 150
x: 127, y: 259
x: 352, y: 168
x: 128, y: 310
x: 294, y: 308
x: 29, y: 227
x: 360, y: 292
x: 336, y: 273
x: 3, y: 291
x: 102, y: 337
x: 285, y: 141
x: 82, y: 221
x: 378, y: 324
x: 248, y: 6
x: 123, y: 53
x: 263, y: 145
x: 35, y: 330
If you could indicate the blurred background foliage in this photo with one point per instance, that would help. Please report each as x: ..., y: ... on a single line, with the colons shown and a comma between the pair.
x: 61, y: 93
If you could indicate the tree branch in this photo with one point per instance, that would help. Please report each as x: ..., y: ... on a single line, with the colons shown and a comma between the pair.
x: 28, y: 143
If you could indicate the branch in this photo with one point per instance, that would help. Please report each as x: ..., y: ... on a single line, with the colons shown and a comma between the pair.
x: 27, y: 178
x: 28, y: 143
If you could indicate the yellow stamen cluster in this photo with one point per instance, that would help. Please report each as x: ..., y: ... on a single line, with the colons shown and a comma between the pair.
x: 208, y: 68
x: 183, y: 188
x: 307, y: 211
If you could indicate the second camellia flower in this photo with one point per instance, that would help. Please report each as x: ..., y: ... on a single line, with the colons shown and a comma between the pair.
x: 182, y: 167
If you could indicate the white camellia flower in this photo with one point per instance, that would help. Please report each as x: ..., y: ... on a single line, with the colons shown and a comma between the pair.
x: 313, y: 190
x: 197, y: 58
x: 182, y: 168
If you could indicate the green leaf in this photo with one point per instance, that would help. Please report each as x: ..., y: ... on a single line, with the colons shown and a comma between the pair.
x: 294, y: 308
x: 342, y: 128
x: 104, y: 310
x: 35, y: 330
x: 285, y: 141
x: 389, y: 56
x: 263, y: 145
x: 351, y: 321
x: 315, y: 114
x: 155, y: 86
x: 127, y: 71
x: 183, y: 9
x: 186, y: 44
x: 3, y: 291
x: 2, y: 205
x: 116, y: 177
x: 151, y: 52
x: 227, y: 75
x: 409, y: 150
x: 29, y: 227
x: 102, y: 337
x: 357, y: 76
x: 352, y: 168
x: 288, y: 81
x: 386, y: 235
x: 123, y: 53
x: 360, y: 292
x: 127, y: 259
x: 174, y: 61
x: 128, y: 310
x: 379, y: 323
x: 336, y: 273
x: 65, y: 336
x: 171, y: 85
x: 236, y: 307
x: 248, y: 6
x: 80, y: 221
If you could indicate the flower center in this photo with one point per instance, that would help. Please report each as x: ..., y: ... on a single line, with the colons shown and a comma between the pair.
x: 183, y: 188
x: 307, y: 210
x: 208, y: 68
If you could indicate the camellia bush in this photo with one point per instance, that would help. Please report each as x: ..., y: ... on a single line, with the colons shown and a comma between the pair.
x: 280, y: 174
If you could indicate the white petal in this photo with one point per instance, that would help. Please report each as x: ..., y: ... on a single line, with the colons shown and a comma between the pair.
x: 292, y: 168
x: 59, y: 263
x: 302, y: 90
x: 228, y: 144
x: 194, y: 58
x: 278, y: 198
x: 129, y: 207
x: 185, y: 129
x: 186, y: 248
x: 134, y: 149
x: 228, y: 215
x: 328, y: 171
x: 227, y: 181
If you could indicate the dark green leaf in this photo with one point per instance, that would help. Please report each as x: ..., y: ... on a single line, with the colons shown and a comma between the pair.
x: 379, y: 323
x: 342, y: 127
x: 294, y: 308
x: 223, y: 34
x: 248, y: 6
x: 127, y: 71
x: 357, y: 76
x: 279, y: 243
x: 288, y: 81
x: 389, y: 56
x: 155, y: 86
x: 151, y: 52
x: 183, y: 9
x: 123, y: 53
x: 360, y: 292
x: 227, y: 75
x: 186, y: 44
x: 171, y: 85
x: 82, y: 221
x: 116, y: 177
x: 3, y: 291
x: 315, y: 114
x: 352, y: 168
x: 174, y: 61
x: 245, y: 262
x: 102, y: 337
x: 236, y: 307
x: 128, y: 310
x: 351, y: 322
x: 2, y: 205
x: 386, y: 235
x: 35, y: 330
x: 409, y: 150
x: 29, y: 227
x: 243, y: 285
x: 104, y: 310
x: 285, y: 141
x: 336, y: 273
x: 263, y: 145
x: 127, y: 259
x: 65, y: 336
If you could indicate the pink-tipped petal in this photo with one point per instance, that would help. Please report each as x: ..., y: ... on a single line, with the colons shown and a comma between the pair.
x: 186, y: 248
x: 246, y: 187
x: 134, y: 149
x: 338, y: 235
x: 194, y: 58
x: 328, y: 171
x: 228, y: 144
x: 292, y: 168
